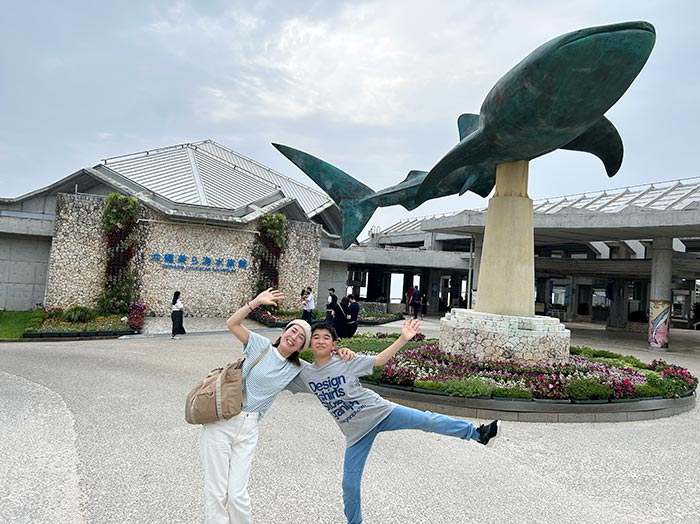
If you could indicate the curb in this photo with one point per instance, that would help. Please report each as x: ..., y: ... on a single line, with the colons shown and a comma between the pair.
x: 527, y: 411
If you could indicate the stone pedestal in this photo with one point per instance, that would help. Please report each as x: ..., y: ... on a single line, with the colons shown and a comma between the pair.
x: 504, y: 337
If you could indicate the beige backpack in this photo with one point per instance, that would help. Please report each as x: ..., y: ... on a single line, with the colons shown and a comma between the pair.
x: 220, y: 395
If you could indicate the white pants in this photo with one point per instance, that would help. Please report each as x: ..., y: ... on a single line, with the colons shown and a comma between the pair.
x: 227, y: 448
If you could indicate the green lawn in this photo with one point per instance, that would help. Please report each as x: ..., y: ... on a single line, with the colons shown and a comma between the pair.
x: 12, y: 323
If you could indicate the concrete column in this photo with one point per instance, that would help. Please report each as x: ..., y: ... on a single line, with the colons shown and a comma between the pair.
x: 507, y: 275
x: 477, y: 249
x: 455, y: 288
x: 618, y: 307
x: 375, y: 285
x: 660, y: 293
x: 430, y: 282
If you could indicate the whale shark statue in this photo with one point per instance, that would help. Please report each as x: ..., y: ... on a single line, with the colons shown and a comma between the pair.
x: 555, y: 98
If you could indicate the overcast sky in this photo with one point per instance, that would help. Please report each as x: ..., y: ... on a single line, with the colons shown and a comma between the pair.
x: 373, y: 87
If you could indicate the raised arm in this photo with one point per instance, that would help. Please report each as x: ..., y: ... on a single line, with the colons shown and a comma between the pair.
x: 408, y: 331
x: 269, y: 297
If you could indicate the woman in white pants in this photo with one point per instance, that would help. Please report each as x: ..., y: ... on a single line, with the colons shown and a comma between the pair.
x: 227, y: 446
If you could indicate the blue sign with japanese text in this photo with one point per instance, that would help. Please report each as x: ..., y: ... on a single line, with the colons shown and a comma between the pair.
x: 199, y: 263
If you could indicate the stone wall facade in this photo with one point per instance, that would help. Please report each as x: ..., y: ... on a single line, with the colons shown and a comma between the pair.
x: 78, y: 252
x: 213, y: 266
x: 300, y: 263
x: 487, y: 336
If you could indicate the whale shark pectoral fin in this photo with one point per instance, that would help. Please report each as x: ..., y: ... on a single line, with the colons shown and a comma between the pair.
x: 602, y: 140
x: 467, y: 123
x: 351, y: 195
x: 480, y: 180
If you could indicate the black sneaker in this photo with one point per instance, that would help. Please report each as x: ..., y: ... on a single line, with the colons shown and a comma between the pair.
x: 488, y: 432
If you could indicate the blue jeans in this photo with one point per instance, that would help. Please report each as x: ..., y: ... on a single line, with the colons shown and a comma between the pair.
x: 400, y: 418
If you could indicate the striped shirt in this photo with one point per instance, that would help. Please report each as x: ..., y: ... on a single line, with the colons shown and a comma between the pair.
x: 269, y: 376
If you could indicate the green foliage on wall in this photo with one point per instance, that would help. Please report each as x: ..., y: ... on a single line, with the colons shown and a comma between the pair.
x: 119, y: 223
x: 273, y: 227
x: 271, y: 246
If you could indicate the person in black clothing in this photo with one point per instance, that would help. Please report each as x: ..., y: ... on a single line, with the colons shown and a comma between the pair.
x: 176, y: 316
x: 340, y: 318
x: 353, y: 310
x: 416, y: 302
x: 330, y: 305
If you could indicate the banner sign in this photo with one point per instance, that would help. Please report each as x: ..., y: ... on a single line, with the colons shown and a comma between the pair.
x: 199, y: 263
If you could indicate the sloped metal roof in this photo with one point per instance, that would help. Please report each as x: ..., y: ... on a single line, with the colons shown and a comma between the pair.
x: 311, y: 200
x: 208, y: 174
x: 671, y: 195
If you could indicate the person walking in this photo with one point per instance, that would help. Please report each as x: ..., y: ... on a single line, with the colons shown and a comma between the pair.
x: 353, y: 310
x: 361, y: 414
x: 176, y: 315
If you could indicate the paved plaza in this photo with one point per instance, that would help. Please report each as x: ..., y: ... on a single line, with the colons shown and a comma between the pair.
x: 94, y: 432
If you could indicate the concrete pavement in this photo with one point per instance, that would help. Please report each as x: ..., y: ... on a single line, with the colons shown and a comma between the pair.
x: 93, y: 432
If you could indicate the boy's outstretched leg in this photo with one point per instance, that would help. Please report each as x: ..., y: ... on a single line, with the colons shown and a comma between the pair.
x: 408, y: 418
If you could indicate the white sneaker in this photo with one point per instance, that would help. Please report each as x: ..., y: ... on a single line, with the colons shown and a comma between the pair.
x: 176, y: 338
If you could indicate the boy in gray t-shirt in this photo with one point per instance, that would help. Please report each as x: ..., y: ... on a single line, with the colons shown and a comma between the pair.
x: 361, y: 414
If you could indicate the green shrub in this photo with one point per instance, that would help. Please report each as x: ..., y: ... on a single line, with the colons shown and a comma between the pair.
x: 429, y: 384
x: 669, y: 387
x: 583, y: 351
x: 469, y: 387
x: 79, y: 314
x: 588, y: 389
x: 511, y: 393
x: 645, y: 390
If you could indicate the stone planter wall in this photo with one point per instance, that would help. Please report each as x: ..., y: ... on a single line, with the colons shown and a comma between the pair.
x: 504, y: 337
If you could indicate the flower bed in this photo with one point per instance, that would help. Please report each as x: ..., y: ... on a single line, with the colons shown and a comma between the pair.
x: 589, y: 375
x: 80, y: 321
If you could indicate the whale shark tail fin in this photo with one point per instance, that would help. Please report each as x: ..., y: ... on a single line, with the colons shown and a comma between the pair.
x: 602, y: 140
x: 467, y: 123
x: 349, y: 194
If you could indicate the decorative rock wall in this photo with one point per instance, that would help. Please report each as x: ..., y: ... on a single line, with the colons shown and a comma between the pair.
x: 78, y: 252
x: 300, y: 263
x: 504, y: 337
x: 213, y: 266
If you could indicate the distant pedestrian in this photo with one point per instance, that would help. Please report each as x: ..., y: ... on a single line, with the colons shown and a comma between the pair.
x: 305, y: 306
x: 311, y: 299
x: 176, y: 315
x: 353, y: 310
x: 340, y: 318
x: 330, y: 305
x: 415, y: 302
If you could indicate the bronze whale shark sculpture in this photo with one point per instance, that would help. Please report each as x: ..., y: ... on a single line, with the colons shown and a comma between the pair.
x: 555, y: 98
